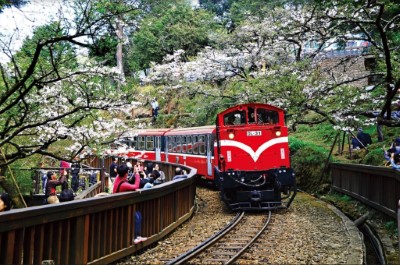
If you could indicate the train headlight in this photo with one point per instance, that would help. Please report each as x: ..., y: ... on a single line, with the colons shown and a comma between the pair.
x: 231, y: 135
x: 278, y: 133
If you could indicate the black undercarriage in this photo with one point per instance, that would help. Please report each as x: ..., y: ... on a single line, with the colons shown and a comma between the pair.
x: 257, y: 190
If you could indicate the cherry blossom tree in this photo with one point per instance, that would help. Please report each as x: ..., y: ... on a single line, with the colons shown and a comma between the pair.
x: 50, y: 94
x: 264, y: 59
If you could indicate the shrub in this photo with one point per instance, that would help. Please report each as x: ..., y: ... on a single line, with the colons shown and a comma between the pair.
x: 374, y: 157
x: 308, y: 162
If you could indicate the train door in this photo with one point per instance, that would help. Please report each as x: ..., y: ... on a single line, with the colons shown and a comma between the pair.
x: 166, y: 147
x: 210, y: 146
x: 157, y: 146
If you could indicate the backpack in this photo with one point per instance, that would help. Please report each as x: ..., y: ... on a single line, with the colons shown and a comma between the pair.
x: 66, y: 195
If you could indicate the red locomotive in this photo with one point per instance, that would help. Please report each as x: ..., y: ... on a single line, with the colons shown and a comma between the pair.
x: 246, y: 155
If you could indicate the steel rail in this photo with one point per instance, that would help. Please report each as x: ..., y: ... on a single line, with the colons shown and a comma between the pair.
x: 239, y: 253
x: 196, y: 251
x: 185, y: 257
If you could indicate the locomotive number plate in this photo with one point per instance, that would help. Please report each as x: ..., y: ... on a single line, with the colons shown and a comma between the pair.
x: 254, y: 133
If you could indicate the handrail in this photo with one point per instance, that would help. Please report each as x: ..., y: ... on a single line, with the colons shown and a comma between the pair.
x: 379, y: 187
x: 95, y: 230
x: 90, y: 192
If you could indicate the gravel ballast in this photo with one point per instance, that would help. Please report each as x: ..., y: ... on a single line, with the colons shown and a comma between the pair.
x: 309, y: 232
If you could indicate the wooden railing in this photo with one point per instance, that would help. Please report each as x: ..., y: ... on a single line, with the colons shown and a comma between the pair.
x: 96, y: 230
x: 90, y: 192
x: 378, y: 187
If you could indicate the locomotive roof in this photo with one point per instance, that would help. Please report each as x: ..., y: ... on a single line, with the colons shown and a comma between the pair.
x: 259, y: 105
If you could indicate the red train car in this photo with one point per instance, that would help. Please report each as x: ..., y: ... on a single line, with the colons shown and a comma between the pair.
x: 246, y: 155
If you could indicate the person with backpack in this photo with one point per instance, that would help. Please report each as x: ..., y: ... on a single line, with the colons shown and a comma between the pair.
x: 66, y: 194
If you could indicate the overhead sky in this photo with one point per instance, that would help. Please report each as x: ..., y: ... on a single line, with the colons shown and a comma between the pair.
x: 18, y: 23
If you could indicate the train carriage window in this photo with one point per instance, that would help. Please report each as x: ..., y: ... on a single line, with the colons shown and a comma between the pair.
x: 178, y: 144
x: 141, y: 143
x: 149, y: 143
x: 189, y: 144
x: 173, y: 144
x: 202, y: 145
x: 132, y: 142
x: 170, y: 144
x: 195, y: 145
x: 123, y: 142
x: 183, y: 141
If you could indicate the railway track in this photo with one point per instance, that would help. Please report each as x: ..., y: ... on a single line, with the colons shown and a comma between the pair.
x: 229, y: 243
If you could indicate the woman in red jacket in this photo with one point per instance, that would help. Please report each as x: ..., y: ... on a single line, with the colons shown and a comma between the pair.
x: 121, y: 184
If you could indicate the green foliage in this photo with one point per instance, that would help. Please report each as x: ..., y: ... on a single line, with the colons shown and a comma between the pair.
x: 345, y: 198
x: 391, y: 226
x: 308, y: 161
x: 60, y: 55
x: 103, y: 49
x: 20, y: 171
x: 9, y: 3
x: 320, y: 134
x: 295, y: 144
x: 242, y: 9
x: 177, y: 27
x: 218, y: 7
x: 374, y: 157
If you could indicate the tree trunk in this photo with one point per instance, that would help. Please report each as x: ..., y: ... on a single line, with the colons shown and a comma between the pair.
x: 119, y: 55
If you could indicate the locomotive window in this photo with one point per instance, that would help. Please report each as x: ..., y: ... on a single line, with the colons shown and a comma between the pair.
x: 195, y: 145
x: 202, y: 145
x: 189, y: 144
x: 251, y: 115
x: 235, y: 118
x: 265, y: 116
x: 149, y: 143
x: 141, y: 143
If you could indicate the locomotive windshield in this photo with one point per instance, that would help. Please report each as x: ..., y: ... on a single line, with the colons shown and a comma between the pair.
x: 251, y: 116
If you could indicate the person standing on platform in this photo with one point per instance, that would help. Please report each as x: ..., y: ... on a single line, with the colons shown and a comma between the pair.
x: 51, y: 187
x: 113, y: 169
x: 154, y: 109
x: 121, y: 184
x: 75, y: 169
